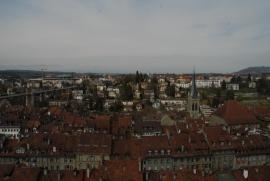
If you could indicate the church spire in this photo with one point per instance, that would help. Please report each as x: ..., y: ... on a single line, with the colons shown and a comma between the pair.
x: 194, y: 92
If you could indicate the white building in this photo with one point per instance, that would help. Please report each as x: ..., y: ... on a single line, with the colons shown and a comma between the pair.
x: 203, y: 83
x: 252, y: 85
x: 234, y: 87
x: 183, y: 84
x: 2, y: 81
x: 10, y: 131
x: 206, y: 110
x: 77, y: 95
x: 113, y: 92
x: 208, y: 83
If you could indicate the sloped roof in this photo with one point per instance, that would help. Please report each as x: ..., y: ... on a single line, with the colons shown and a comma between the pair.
x: 118, y: 170
x: 234, y: 113
x: 167, y: 121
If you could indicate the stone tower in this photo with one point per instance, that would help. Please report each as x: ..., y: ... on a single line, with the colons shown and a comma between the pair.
x: 194, y: 99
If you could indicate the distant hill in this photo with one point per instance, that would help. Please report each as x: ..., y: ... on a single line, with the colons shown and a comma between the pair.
x: 254, y: 70
x: 29, y: 73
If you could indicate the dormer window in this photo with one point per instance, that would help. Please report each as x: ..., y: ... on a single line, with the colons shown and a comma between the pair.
x: 221, y: 143
x: 162, y: 152
x: 182, y: 148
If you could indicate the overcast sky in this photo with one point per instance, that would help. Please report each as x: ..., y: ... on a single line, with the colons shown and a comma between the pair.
x: 126, y: 35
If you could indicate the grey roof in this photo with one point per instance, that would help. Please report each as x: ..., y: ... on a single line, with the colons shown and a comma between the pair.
x: 226, y: 177
x: 216, y: 120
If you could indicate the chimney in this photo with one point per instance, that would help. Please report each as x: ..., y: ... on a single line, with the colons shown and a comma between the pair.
x: 243, y: 142
x: 48, y: 141
x: 203, y: 173
x: 140, y: 165
x: 28, y: 146
x: 88, y: 172
x: 245, y: 174
x: 168, y: 134
x: 194, y: 171
x: 75, y: 172
x: 54, y: 149
x: 256, y: 170
x: 45, y: 171
x: 182, y: 148
x: 146, y: 176
x: 58, y: 176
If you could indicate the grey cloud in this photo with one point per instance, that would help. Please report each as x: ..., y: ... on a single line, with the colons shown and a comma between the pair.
x: 124, y: 35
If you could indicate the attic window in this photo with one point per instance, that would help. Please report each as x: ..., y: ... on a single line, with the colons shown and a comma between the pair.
x: 221, y: 143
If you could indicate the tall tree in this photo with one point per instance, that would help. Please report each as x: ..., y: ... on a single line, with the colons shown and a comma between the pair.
x: 126, y: 92
x: 223, y: 85
x: 229, y: 95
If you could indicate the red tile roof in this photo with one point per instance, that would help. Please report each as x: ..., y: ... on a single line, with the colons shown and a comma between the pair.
x: 234, y: 113
x: 121, y: 124
x: 262, y: 112
x: 82, y: 143
x: 118, y: 170
x: 25, y: 174
x: 5, y: 170
x: 260, y: 173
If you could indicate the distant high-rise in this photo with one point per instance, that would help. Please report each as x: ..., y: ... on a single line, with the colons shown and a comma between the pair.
x: 194, y: 99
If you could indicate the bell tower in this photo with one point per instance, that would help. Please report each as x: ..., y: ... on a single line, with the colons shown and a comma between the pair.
x: 193, y: 99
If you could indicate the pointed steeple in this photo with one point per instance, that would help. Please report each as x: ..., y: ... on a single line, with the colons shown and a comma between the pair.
x: 193, y: 91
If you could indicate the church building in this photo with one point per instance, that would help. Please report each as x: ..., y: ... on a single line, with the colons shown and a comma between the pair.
x: 194, y: 99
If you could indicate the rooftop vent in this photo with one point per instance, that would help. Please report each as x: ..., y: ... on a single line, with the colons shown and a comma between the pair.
x: 245, y: 174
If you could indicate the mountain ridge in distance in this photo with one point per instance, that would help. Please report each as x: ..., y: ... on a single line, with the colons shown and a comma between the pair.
x: 254, y: 70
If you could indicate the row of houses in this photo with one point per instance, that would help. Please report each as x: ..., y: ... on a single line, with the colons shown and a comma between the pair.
x: 55, y: 140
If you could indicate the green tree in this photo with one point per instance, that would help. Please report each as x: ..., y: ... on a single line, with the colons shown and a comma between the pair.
x: 154, y: 86
x: 249, y: 78
x: 126, y: 92
x: 215, y: 102
x: 117, y: 107
x: 137, y: 77
x: 263, y: 86
x: 99, y: 104
x: 229, y: 95
x: 170, y: 90
x: 223, y: 85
